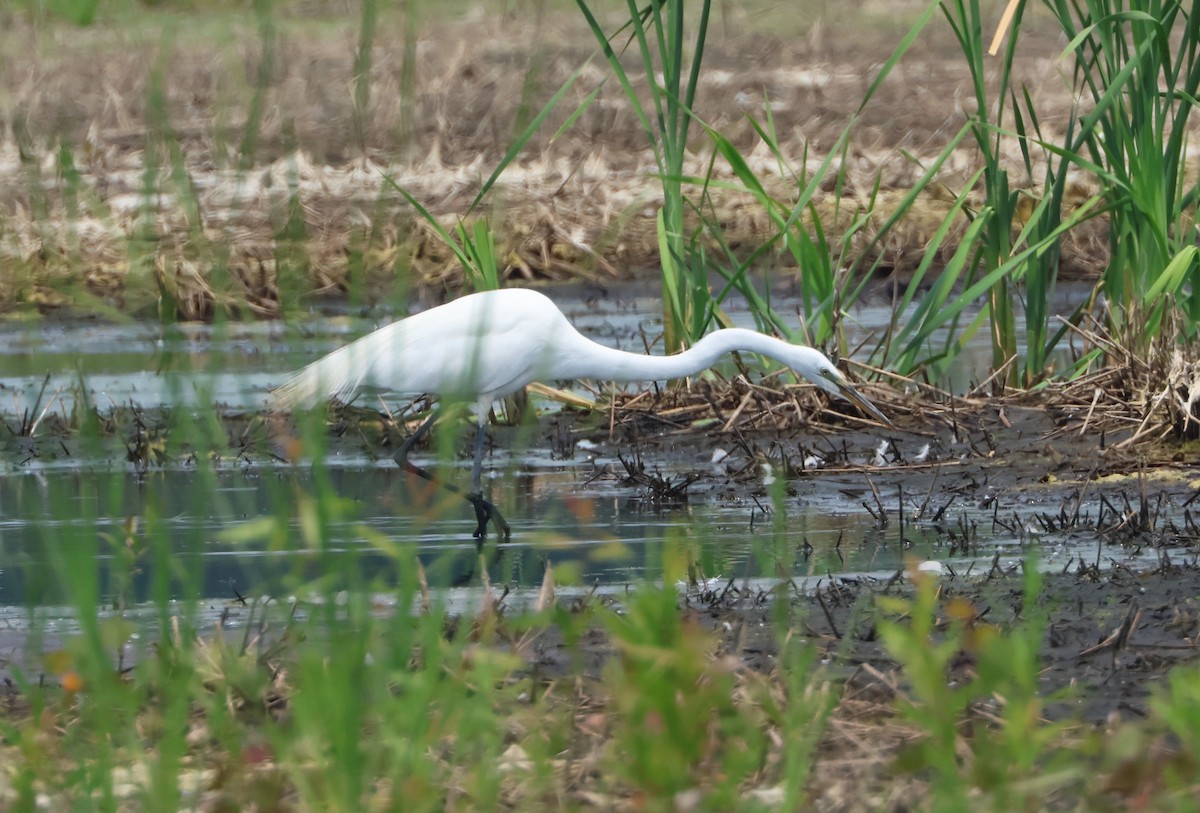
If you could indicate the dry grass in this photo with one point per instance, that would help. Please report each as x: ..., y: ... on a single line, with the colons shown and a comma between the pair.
x: 250, y: 213
x: 1141, y: 401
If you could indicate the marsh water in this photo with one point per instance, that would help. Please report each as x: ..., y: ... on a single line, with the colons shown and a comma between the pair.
x: 569, y: 503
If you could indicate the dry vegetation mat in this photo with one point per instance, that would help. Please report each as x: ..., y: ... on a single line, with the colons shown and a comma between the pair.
x: 149, y: 172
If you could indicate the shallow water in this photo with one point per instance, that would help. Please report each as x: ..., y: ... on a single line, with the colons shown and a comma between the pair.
x: 574, y: 512
x: 595, y: 530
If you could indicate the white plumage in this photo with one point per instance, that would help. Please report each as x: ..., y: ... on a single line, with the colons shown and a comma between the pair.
x: 480, y: 348
x: 488, y: 345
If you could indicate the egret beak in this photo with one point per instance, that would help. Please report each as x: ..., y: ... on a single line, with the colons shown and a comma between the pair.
x: 859, y: 400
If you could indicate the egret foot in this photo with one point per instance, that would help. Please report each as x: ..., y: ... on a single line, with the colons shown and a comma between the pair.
x: 485, y: 511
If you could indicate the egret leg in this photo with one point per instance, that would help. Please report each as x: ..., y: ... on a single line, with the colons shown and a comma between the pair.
x: 401, y: 455
x: 484, y: 510
x: 477, y: 460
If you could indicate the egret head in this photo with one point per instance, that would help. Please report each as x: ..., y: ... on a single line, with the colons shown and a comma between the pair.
x: 818, y: 369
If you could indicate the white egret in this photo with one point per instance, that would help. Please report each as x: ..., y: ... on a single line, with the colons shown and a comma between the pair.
x: 487, y: 345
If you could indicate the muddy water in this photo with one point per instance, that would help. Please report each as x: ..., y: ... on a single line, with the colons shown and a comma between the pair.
x: 598, y: 530
x: 578, y: 512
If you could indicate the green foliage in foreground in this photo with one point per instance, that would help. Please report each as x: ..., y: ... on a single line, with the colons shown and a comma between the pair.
x: 363, y: 689
x: 335, y: 703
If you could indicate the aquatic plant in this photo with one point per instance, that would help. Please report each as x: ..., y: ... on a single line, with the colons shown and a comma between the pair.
x: 666, y: 48
x: 1139, y: 71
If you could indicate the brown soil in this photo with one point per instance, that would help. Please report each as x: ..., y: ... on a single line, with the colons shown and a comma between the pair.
x: 255, y: 211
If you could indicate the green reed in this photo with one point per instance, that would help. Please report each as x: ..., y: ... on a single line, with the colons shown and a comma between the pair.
x: 1138, y: 68
x: 665, y: 45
